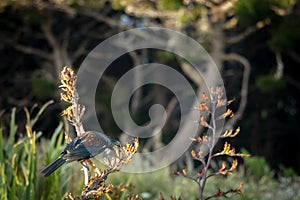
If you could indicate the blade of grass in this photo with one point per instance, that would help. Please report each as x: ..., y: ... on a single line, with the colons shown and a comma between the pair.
x: 13, y: 188
x: 1, y: 145
x: 50, y: 189
x: 53, y: 149
x: 35, y: 119
x: 13, y: 130
x: 30, y: 192
x: 123, y: 196
x: 3, y: 185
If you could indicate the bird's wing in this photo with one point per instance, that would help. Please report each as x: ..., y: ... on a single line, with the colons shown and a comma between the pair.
x: 96, y: 139
x: 73, y: 145
x: 83, y: 153
x: 86, y: 146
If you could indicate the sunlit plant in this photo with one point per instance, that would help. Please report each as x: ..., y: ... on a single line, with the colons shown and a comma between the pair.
x: 95, y: 186
x: 205, y: 150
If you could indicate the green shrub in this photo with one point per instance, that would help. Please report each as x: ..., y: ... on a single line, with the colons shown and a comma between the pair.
x: 22, y: 160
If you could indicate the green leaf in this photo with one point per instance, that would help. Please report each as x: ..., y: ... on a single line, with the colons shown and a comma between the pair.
x: 13, y: 130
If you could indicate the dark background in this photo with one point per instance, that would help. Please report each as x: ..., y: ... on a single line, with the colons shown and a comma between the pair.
x: 37, y: 38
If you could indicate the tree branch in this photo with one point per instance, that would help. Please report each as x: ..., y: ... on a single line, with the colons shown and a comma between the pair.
x: 66, y: 37
x: 137, y: 96
x: 279, y: 67
x: 244, y: 87
x: 101, y: 18
x: 292, y: 81
x: 247, y: 32
x: 191, y: 73
x: 294, y: 56
x: 81, y: 50
x: 86, y: 12
x: 46, y: 28
x: 60, y: 54
x: 241, y: 36
x: 33, y: 51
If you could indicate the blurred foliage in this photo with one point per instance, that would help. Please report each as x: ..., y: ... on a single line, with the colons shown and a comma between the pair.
x: 257, y: 167
x: 256, y: 184
x: 170, y: 4
x: 190, y: 15
x: 43, y: 88
x: 165, y: 56
x: 250, y: 12
x: 21, y: 158
x: 278, y: 14
x: 288, y: 172
x: 285, y: 37
x: 269, y: 84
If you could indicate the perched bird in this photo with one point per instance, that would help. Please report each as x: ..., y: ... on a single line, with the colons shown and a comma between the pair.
x: 85, y: 146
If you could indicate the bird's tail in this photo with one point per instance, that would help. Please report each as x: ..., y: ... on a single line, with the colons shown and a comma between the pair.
x: 53, y: 166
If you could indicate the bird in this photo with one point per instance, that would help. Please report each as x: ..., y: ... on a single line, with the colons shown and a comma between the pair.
x: 81, y: 148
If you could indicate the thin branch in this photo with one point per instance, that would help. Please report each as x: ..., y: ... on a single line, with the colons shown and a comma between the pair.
x: 192, y: 178
x: 241, y: 36
x: 100, y: 17
x: 294, y: 56
x: 191, y: 72
x: 169, y: 110
x: 86, y: 172
x: 244, y: 86
x: 33, y: 51
x: 279, y: 67
x: 223, y: 194
x: 81, y: 50
x: 292, y: 81
x: 57, y: 51
x: 66, y: 38
x: 214, y: 140
x: 136, y: 99
x: 170, y: 107
x: 237, y: 38
x: 46, y: 27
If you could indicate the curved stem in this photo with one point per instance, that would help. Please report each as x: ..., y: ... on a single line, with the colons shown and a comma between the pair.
x: 207, y: 164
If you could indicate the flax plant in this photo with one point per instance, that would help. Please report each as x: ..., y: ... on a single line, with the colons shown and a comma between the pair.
x: 205, y: 152
x: 18, y: 162
x: 95, y: 186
